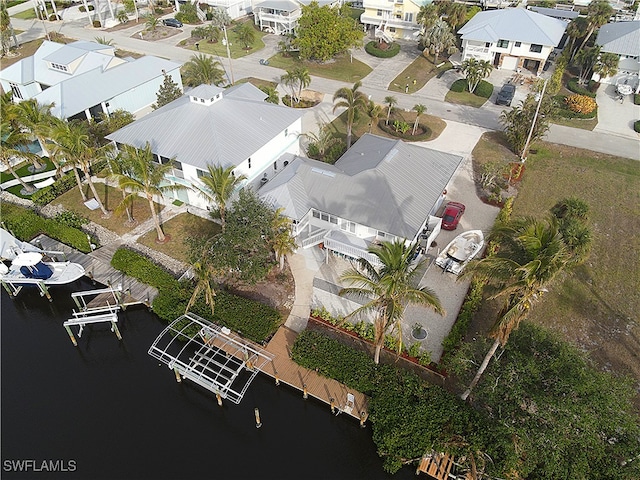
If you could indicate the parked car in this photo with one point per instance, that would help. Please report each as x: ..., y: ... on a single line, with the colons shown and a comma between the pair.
x: 452, y: 213
x: 505, y: 95
x: 172, y: 22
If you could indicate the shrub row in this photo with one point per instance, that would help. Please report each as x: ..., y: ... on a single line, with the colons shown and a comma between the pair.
x: 249, y: 318
x: 48, y: 194
x: 470, y: 306
x: 563, y: 111
x: 26, y: 224
x: 406, y: 136
x: 636, y: 98
x: 589, y: 91
x: 636, y: 126
x: 372, y: 49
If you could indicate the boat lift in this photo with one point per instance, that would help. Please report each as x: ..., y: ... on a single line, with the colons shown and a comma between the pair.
x: 210, y: 356
x: 96, y: 313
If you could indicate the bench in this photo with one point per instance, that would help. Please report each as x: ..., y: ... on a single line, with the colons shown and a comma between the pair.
x: 45, y: 183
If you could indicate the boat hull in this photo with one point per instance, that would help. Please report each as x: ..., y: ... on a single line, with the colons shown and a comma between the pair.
x: 460, y: 251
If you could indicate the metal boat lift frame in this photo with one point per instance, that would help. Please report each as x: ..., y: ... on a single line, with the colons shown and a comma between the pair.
x: 100, y: 314
x: 210, y: 356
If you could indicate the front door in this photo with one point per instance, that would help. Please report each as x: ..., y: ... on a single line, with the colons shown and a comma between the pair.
x: 496, y: 59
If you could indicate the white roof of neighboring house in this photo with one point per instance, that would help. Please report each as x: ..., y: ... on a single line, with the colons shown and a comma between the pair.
x: 225, y: 132
x: 514, y: 24
x: 556, y: 12
x: 283, y: 5
x: 381, y: 183
x: 622, y: 38
x: 85, y: 90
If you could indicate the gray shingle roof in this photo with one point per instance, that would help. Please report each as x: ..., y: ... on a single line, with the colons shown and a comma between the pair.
x: 514, y: 24
x: 622, y: 38
x: 384, y: 184
x: 226, y: 132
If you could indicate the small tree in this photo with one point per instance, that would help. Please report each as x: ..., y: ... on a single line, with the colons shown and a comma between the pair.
x: 281, y: 240
x: 168, y: 92
x: 202, y: 69
x: 607, y: 65
x: 219, y: 185
x: 391, y: 102
x: 585, y: 60
x: 246, y: 34
x: 354, y: 101
x: 439, y: 38
x: 151, y: 23
x: 272, y: 94
x: 419, y: 109
x: 474, y: 71
x: 374, y: 112
x: 320, y: 142
x: 517, y: 122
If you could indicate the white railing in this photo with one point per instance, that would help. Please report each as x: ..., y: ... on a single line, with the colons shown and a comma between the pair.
x: 273, y: 17
x: 351, y: 251
x: 314, y: 239
x: 475, y: 49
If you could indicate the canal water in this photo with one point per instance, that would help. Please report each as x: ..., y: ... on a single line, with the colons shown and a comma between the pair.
x: 107, y: 410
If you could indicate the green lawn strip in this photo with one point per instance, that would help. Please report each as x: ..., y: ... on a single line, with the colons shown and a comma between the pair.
x: 340, y: 69
x: 111, y: 197
x: 257, y: 82
x: 180, y: 228
x: 583, y: 123
x: 23, y: 170
x: 28, y: 14
x: 422, y: 69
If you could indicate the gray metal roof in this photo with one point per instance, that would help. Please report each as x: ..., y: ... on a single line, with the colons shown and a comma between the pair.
x: 75, y: 50
x: 514, y: 24
x: 381, y: 183
x: 556, y: 12
x: 225, y: 132
x: 284, y: 5
x: 79, y: 92
x: 622, y: 38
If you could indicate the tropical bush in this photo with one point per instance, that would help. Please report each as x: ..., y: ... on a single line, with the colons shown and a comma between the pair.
x: 636, y: 98
x: 470, y: 306
x: 406, y: 135
x: 580, y: 104
x: 575, y: 87
x: 484, y: 88
x: 140, y: 267
x: 636, y: 126
x: 26, y: 224
x: 71, y: 219
x: 563, y: 110
x: 373, y: 48
x: 48, y: 194
x: 187, y: 13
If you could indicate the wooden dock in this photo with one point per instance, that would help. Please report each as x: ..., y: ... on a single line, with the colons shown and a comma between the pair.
x: 97, y: 266
x: 322, y: 388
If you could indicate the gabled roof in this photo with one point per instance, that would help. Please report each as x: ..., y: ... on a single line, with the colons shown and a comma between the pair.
x: 556, y: 12
x: 225, y: 132
x: 283, y: 5
x: 622, y: 38
x: 83, y: 91
x: 381, y: 183
x: 514, y: 24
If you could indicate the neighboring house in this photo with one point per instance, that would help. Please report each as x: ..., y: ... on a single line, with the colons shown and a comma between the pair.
x: 391, y: 19
x: 559, y: 13
x: 623, y: 39
x: 213, y: 126
x: 281, y: 16
x: 512, y: 38
x: 380, y: 189
x: 84, y: 79
x: 235, y: 8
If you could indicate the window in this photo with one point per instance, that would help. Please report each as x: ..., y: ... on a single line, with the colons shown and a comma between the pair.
x: 518, y: 44
x: 408, y: 17
x: 275, y: 165
x: 57, y: 66
x: 286, y: 162
x: 333, y: 219
x: 16, y: 91
x: 392, y: 29
x: 177, y: 165
x: 503, y: 43
x: 487, y: 45
x: 200, y: 173
x: 379, y: 13
x: 381, y: 234
x: 316, y: 214
x: 249, y: 162
x: 286, y: 132
x: 324, y: 216
x: 535, y: 48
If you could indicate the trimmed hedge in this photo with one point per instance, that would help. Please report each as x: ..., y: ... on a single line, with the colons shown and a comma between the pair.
x: 575, y: 87
x: 636, y: 98
x: 372, y: 49
x: 48, y: 194
x: 636, y: 126
x: 249, y: 318
x: 26, y: 224
x: 484, y: 88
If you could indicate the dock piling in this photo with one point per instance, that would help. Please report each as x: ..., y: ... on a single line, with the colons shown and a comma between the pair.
x: 73, y: 339
x: 178, y: 377
x: 332, y: 403
x: 257, y: 414
x: 219, y: 398
x: 305, y: 395
x: 363, y: 418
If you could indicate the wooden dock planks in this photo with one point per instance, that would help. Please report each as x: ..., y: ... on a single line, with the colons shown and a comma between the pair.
x: 317, y: 386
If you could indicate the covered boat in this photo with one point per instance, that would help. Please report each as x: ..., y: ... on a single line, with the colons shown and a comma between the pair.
x: 460, y: 251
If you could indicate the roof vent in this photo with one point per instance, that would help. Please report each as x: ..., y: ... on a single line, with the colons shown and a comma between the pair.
x: 323, y: 172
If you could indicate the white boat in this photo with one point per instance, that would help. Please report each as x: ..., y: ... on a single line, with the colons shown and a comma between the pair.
x: 460, y: 251
x: 28, y: 268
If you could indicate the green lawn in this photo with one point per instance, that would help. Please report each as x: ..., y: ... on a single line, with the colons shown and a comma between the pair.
x: 422, y: 69
x: 28, y: 14
x: 23, y: 170
x: 257, y: 82
x: 236, y: 48
x: 465, y: 98
x: 583, y: 123
x: 593, y: 306
x: 179, y: 228
x: 341, y: 68
x: 111, y: 197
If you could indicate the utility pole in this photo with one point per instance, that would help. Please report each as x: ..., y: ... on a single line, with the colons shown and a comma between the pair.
x: 226, y: 41
x: 523, y: 157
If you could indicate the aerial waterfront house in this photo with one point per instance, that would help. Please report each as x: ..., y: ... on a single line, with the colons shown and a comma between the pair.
x: 622, y: 39
x: 381, y: 189
x: 512, y: 38
x: 213, y: 126
x: 390, y: 19
x: 281, y: 16
x: 86, y: 80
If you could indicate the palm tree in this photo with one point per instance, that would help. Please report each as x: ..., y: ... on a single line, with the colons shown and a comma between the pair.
x: 391, y: 102
x: 297, y: 79
x: 37, y: 119
x: 419, y: 109
x: 576, y: 29
x: 204, y: 275
x: 374, y: 112
x: 6, y: 30
x: 323, y: 140
x: 272, y: 94
x: 427, y: 15
x: 119, y: 165
x: 202, y: 69
x: 598, y: 13
x: 12, y: 140
x: 531, y: 255
x: 246, y: 34
x: 439, y: 38
x: 146, y: 177
x: 282, y: 242
x: 475, y: 71
x: 219, y: 185
x: 104, y: 40
x: 388, y: 290
x: 73, y: 143
x: 354, y: 101
x: 456, y: 13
